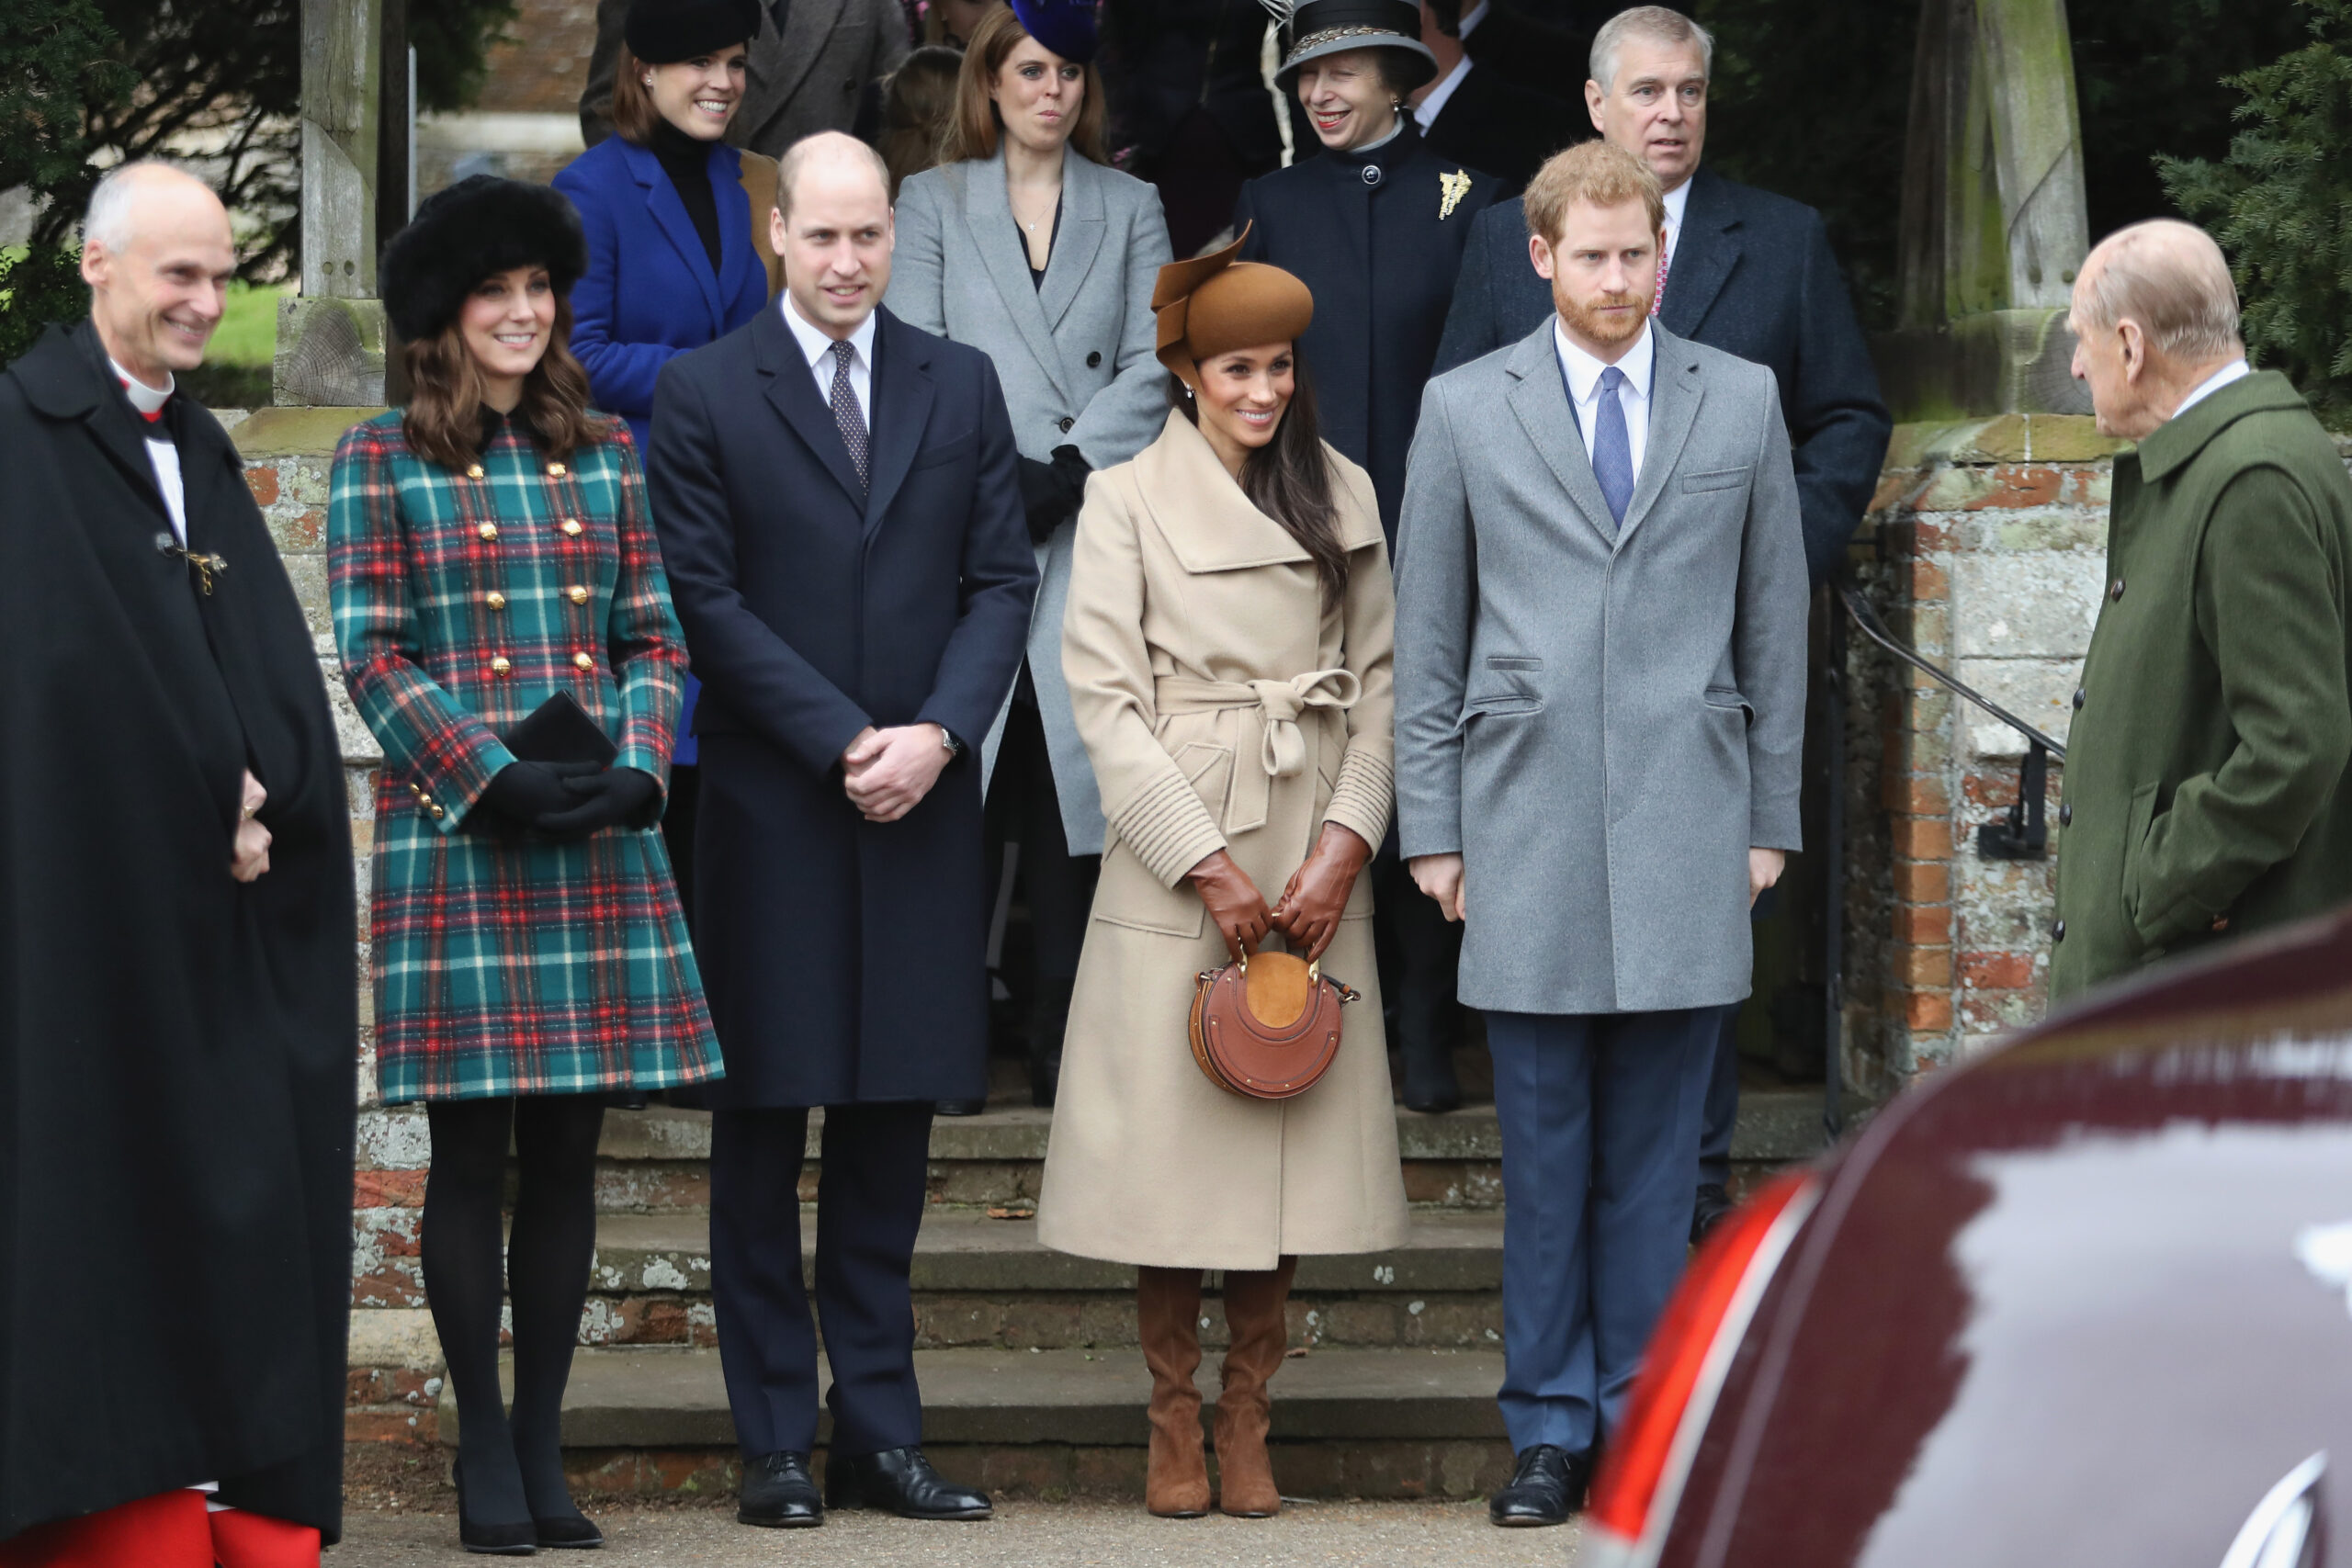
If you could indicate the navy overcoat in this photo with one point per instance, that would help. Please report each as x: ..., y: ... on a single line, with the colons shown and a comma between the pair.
x: 844, y: 960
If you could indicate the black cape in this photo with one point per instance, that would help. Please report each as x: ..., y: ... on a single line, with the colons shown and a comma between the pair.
x: 176, y: 1050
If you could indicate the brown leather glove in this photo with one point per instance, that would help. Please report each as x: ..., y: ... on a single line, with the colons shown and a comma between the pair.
x: 1234, y: 903
x: 1309, y: 911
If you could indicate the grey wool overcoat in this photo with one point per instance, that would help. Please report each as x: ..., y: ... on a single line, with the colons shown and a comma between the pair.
x: 1601, y: 719
x: 1076, y: 359
x: 1227, y: 707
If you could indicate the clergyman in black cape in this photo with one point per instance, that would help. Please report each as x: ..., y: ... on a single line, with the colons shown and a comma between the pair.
x: 177, y: 979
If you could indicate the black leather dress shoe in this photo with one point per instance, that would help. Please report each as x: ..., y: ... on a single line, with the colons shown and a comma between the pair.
x: 1547, y: 1488
x: 902, y: 1482
x: 1708, y: 1210
x: 960, y: 1107
x: 779, y: 1494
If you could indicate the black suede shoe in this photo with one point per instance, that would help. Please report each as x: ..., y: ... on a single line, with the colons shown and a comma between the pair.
x: 1708, y: 1210
x: 901, y: 1481
x: 960, y: 1107
x: 577, y: 1533
x: 490, y: 1541
x: 1547, y: 1488
x: 779, y: 1494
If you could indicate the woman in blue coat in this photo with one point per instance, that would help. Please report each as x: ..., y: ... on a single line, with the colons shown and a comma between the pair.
x: 673, y: 256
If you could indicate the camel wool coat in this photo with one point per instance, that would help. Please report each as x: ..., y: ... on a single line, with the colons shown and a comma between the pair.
x: 1224, y: 706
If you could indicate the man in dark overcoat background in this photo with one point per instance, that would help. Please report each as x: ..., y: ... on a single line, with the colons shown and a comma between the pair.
x: 1746, y: 272
x: 1475, y: 112
x: 840, y: 516
x: 178, y: 989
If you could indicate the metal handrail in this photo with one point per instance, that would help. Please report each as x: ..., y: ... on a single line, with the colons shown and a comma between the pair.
x: 1873, y: 628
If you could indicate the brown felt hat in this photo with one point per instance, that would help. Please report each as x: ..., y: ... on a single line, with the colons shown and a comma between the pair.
x: 1214, y: 304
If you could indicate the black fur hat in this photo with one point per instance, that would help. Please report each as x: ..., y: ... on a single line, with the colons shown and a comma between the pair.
x: 662, y: 32
x: 461, y: 235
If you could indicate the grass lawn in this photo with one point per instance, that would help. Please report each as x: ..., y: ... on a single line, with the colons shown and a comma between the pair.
x: 248, y: 331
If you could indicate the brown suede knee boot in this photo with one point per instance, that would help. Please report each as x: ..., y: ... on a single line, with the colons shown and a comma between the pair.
x: 1168, y: 1316
x: 1253, y: 1316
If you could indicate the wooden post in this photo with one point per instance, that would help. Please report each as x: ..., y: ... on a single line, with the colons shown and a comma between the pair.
x: 1994, y: 222
x: 331, y: 340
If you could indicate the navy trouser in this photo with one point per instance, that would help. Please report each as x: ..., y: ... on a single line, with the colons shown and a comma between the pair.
x: 1600, y: 1114
x: 1721, y: 1113
x: 870, y: 1198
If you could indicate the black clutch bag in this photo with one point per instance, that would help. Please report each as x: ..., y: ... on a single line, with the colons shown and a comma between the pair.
x: 560, y: 730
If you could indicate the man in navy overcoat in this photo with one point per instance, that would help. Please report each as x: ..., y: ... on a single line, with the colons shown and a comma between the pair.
x: 841, y: 520
x: 1748, y: 273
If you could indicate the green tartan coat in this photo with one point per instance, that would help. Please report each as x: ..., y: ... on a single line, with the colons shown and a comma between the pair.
x: 461, y: 601
x: 2205, y: 792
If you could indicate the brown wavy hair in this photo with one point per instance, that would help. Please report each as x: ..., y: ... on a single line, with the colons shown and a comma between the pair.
x: 973, y: 128
x: 1289, y: 480
x: 442, y: 420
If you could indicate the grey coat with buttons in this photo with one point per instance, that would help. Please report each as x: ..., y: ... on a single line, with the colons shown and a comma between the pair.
x: 1075, y: 356
x: 1600, y: 719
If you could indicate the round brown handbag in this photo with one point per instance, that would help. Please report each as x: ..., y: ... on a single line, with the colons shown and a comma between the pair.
x: 1268, y: 1027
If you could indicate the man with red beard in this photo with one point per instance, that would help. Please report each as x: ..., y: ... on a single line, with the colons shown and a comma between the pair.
x: 1601, y: 657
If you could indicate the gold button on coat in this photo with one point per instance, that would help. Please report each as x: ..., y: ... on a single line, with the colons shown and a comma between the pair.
x: 499, y: 666
x: 583, y: 661
x: 571, y: 527
x: 577, y: 595
x: 473, y: 470
x: 438, y: 812
x: 496, y: 599
x: 556, y: 470
x: 488, y: 530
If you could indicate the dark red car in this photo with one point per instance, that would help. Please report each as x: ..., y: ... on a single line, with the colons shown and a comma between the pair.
x: 2081, y: 1302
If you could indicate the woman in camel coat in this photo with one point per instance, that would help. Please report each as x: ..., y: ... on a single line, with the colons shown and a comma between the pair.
x: 1229, y: 665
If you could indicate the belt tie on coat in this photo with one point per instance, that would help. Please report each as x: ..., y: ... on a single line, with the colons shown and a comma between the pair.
x: 1275, y: 707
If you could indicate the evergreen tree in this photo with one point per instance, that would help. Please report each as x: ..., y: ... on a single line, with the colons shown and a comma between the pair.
x: 56, y: 57
x: 2281, y: 204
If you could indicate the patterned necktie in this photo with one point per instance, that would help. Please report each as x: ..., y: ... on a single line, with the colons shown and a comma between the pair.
x: 1658, y: 299
x: 847, y: 414
x: 1612, y: 449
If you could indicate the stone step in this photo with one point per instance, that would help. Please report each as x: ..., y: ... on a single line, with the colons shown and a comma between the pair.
x: 982, y: 1282
x: 675, y: 1399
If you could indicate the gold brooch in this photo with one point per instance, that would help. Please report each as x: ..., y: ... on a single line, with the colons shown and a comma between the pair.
x: 1452, y: 188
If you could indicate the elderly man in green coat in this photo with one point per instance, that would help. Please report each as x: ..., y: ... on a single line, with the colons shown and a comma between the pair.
x: 2205, y: 790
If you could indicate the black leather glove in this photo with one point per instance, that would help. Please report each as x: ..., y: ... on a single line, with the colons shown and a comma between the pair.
x: 520, y: 792
x: 1051, y: 491
x: 618, y: 797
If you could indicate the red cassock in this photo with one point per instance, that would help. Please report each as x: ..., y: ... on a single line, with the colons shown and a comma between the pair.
x: 171, y: 1529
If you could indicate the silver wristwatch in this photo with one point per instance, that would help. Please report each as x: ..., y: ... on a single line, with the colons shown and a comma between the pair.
x: 948, y: 742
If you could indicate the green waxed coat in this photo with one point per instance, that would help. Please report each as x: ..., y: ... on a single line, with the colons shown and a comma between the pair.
x: 2205, y: 790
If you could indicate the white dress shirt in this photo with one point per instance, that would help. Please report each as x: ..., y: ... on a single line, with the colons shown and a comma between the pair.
x: 163, y: 455
x: 1583, y: 372
x: 819, y: 347
x: 1678, y: 202
x: 2236, y: 370
x: 1425, y: 113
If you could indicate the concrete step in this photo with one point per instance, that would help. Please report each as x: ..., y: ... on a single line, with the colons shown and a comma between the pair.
x: 675, y: 1399
x: 982, y: 1282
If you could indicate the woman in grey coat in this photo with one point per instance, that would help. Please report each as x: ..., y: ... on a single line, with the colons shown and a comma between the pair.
x: 1024, y: 243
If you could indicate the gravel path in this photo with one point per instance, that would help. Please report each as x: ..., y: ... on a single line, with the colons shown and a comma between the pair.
x: 1080, y: 1535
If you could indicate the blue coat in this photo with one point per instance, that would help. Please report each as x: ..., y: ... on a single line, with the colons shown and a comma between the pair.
x: 648, y: 294
x: 844, y: 960
x: 1752, y: 275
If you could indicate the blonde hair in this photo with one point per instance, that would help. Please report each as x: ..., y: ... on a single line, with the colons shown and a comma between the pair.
x: 972, y: 129
x: 2171, y: 278
x: 1599, y: 172
x: 916, y: 102
x: 1657, y: 23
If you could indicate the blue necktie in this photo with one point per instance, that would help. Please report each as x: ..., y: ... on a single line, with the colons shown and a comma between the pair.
x: 1612, y: 449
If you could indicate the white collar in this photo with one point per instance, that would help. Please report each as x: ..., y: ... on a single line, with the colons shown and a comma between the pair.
x: 1471, y: 18
x: 814, y: 345
x: 1433, y: 105
x: 2236, y: 370
x: 143, y: 398
x: 1584, y: 370
x: 1678, y: 202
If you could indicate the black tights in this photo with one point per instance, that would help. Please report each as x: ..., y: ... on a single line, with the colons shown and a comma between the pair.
x: 512, y: 1470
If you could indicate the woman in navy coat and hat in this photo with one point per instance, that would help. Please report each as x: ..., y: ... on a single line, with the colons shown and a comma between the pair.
x: 675, y: 253
x: 1374, y: 228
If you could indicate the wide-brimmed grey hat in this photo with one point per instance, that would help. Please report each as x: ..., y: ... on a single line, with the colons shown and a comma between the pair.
x: 1313, y: 28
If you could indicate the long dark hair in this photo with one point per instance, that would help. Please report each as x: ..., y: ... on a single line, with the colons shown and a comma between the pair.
x: 442, y: 420
x: 1289, y: 480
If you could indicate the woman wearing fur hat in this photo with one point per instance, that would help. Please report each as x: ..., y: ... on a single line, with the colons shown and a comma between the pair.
x: 1025, y: 244
x: 505, y: 632
x: 677, y: 225
x: 1227, y: 646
